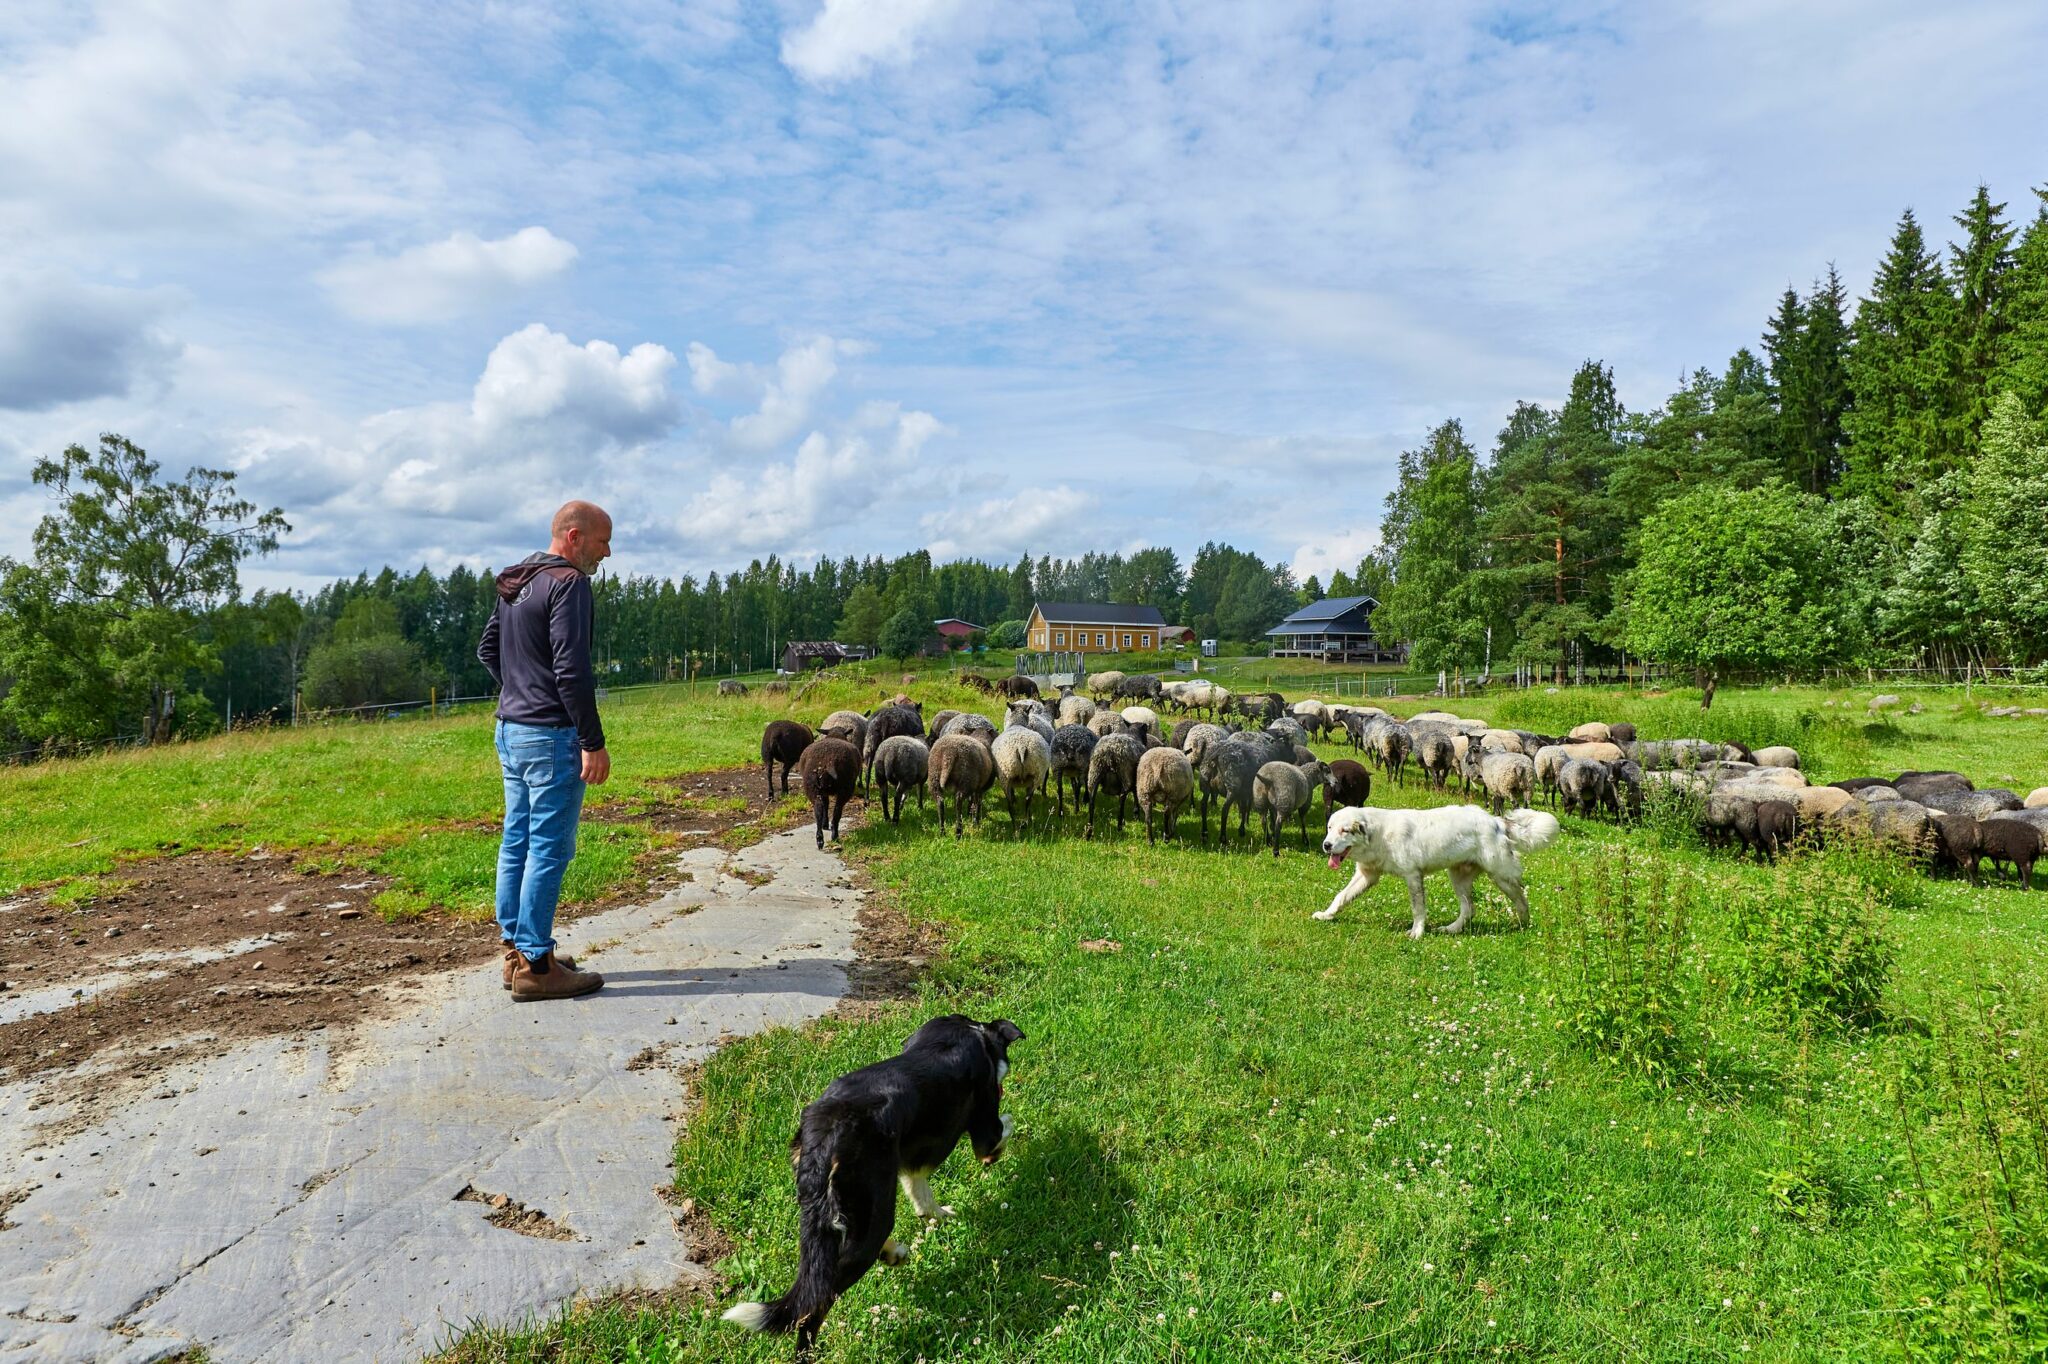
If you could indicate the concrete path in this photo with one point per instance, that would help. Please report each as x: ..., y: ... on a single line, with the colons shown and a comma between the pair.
x: 301, y: 1199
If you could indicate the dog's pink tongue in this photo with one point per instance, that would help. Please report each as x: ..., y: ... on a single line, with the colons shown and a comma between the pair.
x: 1336, y: 860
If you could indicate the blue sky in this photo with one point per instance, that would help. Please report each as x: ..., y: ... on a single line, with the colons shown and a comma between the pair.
x: 868, y: 275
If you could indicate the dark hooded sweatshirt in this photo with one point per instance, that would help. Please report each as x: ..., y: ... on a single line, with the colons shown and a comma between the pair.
x: 537, y: 647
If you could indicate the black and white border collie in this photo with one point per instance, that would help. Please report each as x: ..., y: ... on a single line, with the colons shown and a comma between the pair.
x: 883, y: 1125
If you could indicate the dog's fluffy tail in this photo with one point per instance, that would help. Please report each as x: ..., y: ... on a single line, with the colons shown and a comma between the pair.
x: 1529, y: 830
x: 822, y: 1229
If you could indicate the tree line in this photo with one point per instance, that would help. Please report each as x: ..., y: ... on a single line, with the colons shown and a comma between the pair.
x: 127, y: 620
x: 1868, y: 486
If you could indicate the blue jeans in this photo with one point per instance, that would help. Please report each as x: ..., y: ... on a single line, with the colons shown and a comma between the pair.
x: 543, y: 798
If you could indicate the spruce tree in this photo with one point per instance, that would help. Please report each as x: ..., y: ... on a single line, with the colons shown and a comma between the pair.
x: 1825, y: 395
x: 1433, y: 603
x: 1982, y: 269
x: 1897, y: 373
x: 2023, y: 358
x: 1785, y: 348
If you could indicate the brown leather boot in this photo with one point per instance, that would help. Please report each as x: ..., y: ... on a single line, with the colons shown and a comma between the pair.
x: 512, y: 960
x: 550, y: 977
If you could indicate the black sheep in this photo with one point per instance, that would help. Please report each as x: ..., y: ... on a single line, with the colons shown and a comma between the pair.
x: 831, y: 771
x: 887, y: 723
x: 1777, y: 824
x: 1623, y: 733
x: 2014, y: 841
x: 1346, y: 783
x: 784, y: 741
x: 1958, y: 843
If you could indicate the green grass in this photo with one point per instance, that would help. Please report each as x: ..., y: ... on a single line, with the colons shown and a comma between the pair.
x: 1408, y: 1143
x: 1401, y: 1141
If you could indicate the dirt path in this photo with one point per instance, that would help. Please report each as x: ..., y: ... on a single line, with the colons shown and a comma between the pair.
x: 362, y: 1194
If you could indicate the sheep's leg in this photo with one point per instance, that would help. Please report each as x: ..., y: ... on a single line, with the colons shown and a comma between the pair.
x: 1361, y: 882
x: 838, y: 808
x: 1417, y: 903
x: 1120, y: 812
x: 1303, y: 820
x: 768, y: 770
x: 1461, y: 882
x: 1148, y: 826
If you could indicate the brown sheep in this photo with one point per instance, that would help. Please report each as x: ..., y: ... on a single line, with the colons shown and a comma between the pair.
x: 784, y: 741
x: 1346, y: 783
x: 2014, y: 841
x: 961, y: 767
x: 831, y: 772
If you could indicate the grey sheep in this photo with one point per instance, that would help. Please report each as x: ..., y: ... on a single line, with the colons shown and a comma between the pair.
x: 961, y: 767
x: 975, y: 726
x: 1105, y: 721
x: 1919, y: 785
x: 1392, y: 744
x: 901, y: 762
x: 1023, y: 762
x: 1283, y: 791
x: 885, y: 724
x: 1072, y: 745
x: 1509, y: 780
x: 1166, y: 782
x: 1228, y: 771
x: 1434, y: 752
x: 1976, y: 804
x: 849, y: 725
x: 1113, y: 770
x: 1075, y: 710
x: 1587, y: 787
x: 1291, y: 728
x: 728, y: 686
x: 1028, y: 715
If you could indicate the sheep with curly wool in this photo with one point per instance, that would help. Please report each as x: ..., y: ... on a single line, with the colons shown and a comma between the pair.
x: 1435, y: 751
x: 1509, y: 780
x: 1028, y: 715
x: 1228, y: 772
x: 1166, y: 783
x: 1075, y: 710
x: 1586, y: 787
x: 1113, y: 771
x: 885, y: 724
x: 901, y: 762
x: 849, y: 725
x: 1072, y: 746
x: 1284, y: 791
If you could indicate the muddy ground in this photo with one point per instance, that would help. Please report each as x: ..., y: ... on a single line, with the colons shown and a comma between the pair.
x: 186, y: 955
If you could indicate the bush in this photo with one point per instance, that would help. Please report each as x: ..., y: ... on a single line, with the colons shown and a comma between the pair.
x: 1625, y: 995
x: 1814, y: 944
x: 344, y: 673
x: 1006, y: 634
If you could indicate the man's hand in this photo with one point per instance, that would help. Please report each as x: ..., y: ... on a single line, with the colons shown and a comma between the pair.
x: 597, y: 766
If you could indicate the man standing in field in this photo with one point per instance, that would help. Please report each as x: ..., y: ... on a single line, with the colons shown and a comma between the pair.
x: 550, y: 743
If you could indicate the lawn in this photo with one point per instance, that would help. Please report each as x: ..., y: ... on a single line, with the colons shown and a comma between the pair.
x: 1661, y: 1124
x: 1656, y: 1125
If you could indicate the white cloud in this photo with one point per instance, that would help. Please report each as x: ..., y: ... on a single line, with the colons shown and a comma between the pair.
x: 62, y: 341
x: 784, y: 395
x: 999, y: 527
x: 847, y: 38
x: 825, y: 489
x: 537, y: 376
x: 445, y: 279
x: 1331, y: 550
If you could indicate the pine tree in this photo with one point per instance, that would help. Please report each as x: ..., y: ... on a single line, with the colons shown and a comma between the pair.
x: 1982, y: 270
x: 1897, y: 372
x: 2023, y: 358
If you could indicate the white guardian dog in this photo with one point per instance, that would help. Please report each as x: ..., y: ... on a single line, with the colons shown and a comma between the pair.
x: 1463, y: 840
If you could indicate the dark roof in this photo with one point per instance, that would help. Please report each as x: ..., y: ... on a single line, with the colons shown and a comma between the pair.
x: 815, y: 648
x: 1096, y: 613
x: 1319, y: 617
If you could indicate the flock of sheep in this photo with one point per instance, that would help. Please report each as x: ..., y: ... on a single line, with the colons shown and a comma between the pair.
x: 1249, y: 752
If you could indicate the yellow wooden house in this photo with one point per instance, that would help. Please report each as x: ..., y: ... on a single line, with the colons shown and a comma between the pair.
x: 1093, y: 628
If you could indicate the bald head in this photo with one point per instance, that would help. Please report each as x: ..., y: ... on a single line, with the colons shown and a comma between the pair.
x: 581, y: 533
